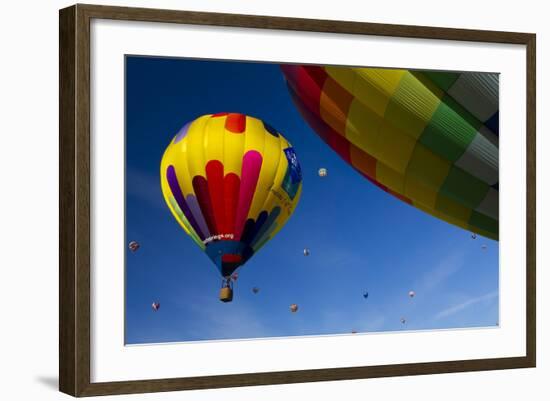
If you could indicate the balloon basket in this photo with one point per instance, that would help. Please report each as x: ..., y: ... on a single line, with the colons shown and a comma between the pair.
x: 226, y: 294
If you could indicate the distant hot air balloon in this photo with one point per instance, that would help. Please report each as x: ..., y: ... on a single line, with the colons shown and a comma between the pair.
x: 231, y: 181
x: 294, y: 308
x: 133, y: 246
x: 306, y: 252
x: 474, y: 235
x: 484, y: 247
x: 322, y: 172
x: 235, y: 276
x: 365, y: 295
x: 403, y: 320
x: 354, y: 332
x: 428, y: 138
x: 255, y: 290
x: 155, y: 306
x: 411, y: 294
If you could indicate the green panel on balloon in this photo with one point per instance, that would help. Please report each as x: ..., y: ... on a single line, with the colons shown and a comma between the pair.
x: 484, y: 222
x: 448, y: 134
x: 464, y: 188
x: 443, y: 80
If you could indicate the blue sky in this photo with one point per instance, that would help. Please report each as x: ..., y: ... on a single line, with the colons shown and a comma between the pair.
x: 360, y: 238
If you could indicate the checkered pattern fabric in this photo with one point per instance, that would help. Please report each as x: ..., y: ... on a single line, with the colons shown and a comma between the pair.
x: 428, y: 138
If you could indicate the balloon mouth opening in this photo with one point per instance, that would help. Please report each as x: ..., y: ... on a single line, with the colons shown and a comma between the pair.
x: 230, y: 263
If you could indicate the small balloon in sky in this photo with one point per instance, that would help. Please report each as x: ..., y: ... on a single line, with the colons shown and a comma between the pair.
x: 354, y: 332
x: 235, y: 276
x: 255, y: 290
x: 133, y: 246
x: 412, y: 294
x: 403, y: 320
x: 155, y: 306
x: 294, y: 308
x: 306, y: 252
x: 474, y: 235
x: 322, y: 172
x: 484, y: 247
x: 366, y: 294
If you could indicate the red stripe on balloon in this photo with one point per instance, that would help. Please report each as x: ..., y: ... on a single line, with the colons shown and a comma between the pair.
x: 219, y: 114
x: 339, y: 144
x: 399, y: 196
x: 231, y: 258
x: 214, y: 177
x: 235, y: 123
x: 308, y: 87
x: 231, y: 184
x: 317, y: 74
x: 200, y: 186
x: 250, y: 172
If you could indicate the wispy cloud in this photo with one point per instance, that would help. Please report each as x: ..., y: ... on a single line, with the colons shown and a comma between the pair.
x: 466, y: 304
x: 213, y: 323
x: 445, y: 269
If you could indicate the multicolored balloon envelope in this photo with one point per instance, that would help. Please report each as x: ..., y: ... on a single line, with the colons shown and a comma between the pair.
x: 231, y: 181
x: 428, y: 138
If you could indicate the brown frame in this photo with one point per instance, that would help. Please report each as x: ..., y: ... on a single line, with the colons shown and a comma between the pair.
x: 74, y: 199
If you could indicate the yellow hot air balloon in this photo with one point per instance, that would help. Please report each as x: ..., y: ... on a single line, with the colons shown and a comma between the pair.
x: 231, y: 181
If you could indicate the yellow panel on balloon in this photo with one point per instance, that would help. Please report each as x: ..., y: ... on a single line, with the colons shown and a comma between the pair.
x: 233, y: 146
x: 254, y: 135
x: 374, y: 87
x: 412, y: 106
x: 394, y: 148
x: 213, y: 139
x: 453, y: 211
x: 195, y: 146
x: 390, y: 178
x: 363, y: 126
x: 442, y: 216
x: 385, y: 79
x: 343, y: 75
x: 417, y: 189
x: 429, y: 167
x: 271, y: 154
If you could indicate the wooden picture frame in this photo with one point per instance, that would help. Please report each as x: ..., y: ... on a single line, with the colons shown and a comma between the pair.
x: 74, y: 203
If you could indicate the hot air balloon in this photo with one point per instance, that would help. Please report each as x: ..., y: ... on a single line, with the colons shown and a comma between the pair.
x: 155, y: 306
x: 294, y: 308
x: 474, y: 235
x: 411, y: 294
x: 322, y: 172
x: 231, y: 181
x: 365, y: 294
x: 255, y: 290
x: 133, y: 246
x: 484, y: 247
x: 403, y: 320
x: 428, y: 138
x: 306, y: 252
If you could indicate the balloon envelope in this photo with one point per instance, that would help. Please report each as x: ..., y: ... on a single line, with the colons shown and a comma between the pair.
x: 231, y: 181
x: 428, y: 138
x: 133, y: 245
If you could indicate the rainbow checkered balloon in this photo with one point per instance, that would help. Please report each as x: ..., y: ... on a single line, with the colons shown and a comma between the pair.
x: 428, y: 138
x: 231, y: 181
